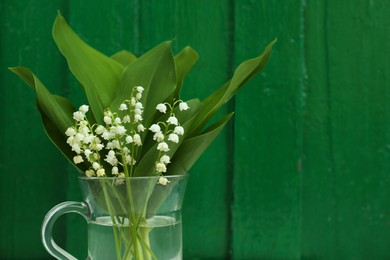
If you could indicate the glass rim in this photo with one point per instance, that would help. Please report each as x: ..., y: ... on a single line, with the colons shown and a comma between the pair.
x: 177, y: 176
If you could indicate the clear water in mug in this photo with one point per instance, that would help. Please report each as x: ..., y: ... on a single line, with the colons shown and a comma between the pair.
x: 165, y: 238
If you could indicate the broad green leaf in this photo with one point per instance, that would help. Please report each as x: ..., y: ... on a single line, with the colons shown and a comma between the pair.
x: 124, y: 57
x: 155, y: 71
x: 191, y: 149
x: 58, y: 109
x: 56, y: 112
x: 245, y: 71
x: 98, y: 74
x: 184, y: 61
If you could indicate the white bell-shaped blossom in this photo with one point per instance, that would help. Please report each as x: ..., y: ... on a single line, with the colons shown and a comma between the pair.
x: 162, y: 108
x: 165, y: 159
x: 123, y: 107
x: 172, y: 120
x: 179, y: 130
x: 160, y: 167
x: 163, y: 181
x: 163, y: 146
x: 155, y: 128
x: 173, y: 138
x: 183, y: 106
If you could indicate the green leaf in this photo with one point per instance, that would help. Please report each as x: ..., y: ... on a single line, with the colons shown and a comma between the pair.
x: 58, y: 109
x: 124, y: 57
x: 245, y: 71
x: 191, y: 149
x: 56, y: 112
x: 184, y: 61
x: 155, y: 72
x: 98, y: 74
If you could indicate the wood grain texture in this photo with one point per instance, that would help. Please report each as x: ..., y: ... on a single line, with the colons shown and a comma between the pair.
x: 29, y: 174
x: 345, y: 205
x: 267, y: 183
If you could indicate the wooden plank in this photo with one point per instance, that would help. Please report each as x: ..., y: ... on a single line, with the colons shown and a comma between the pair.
x: 319, y: 201
x: 358, y: 54
x: 268, y: 133
x: 33, y: 170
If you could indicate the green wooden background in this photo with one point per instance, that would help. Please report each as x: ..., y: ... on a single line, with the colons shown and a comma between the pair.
x: 302, y: 172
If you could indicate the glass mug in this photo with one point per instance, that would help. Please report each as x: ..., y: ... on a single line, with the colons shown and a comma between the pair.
x: 128, y: 218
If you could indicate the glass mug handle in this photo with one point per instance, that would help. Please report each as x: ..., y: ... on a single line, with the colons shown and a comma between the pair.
x: 48, y: 223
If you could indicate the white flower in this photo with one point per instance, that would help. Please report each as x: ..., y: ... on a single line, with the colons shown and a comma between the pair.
x: 100, y: 173
x: 108, y: 135
x: 89, y: 173
x: 115, y: 170
x: 78, y: 116
x: 70, y: 131
x: 140, y: 128
x: 137, y: 139
x: 172, y: 120
x: 96, y: 146
x: 129, y: 159
x: 126, y: 150
x: 107, y: 120
x: 179, y: 130
x: 111, y: 158
x: 87, y: 153
x: 78, y: 159
x: 88, y: 139
x: 139, y: 105
x: 76, y: 148
x: 84, y: 109
x: 129, y: 139
x: 117, y: 120
x: 138, y: 96
x: 165, y: 159
x: 140, y: 89
x: 79, y: 137
x: 84, y: 130
x: 163, y: 146
x: 96, y: 165
x: 70, y: 140
x: 155, y: 128
x: 160, y: 167
x: 173, y: 138
x: 162, y: 108
x: 120, y: 130
x: 183, y: 106
x: 159, y: 136
x: 137, y: 111
x: 163, y: 181
x: 126, y: 119
x: 108, y: 113
x: 116, y: 144
x: 100, y: 129
x: 137, y: 117
x: 123, y: 107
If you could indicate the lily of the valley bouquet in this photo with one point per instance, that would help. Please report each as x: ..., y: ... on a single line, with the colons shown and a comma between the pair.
x: 135, y: 123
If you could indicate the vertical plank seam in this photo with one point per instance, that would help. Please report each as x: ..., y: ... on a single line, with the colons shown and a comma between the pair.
x: 136, y: 26
x: 300, y: 117
x: 329, y: 123
x: 231, y: 126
